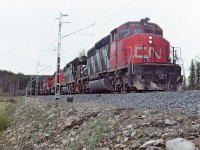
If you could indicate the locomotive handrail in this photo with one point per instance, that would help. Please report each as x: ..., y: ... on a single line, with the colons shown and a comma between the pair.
x: 180, y: 53
x: 130, y: 57
x: 132, y: 63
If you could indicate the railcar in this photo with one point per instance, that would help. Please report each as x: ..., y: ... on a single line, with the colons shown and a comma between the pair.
x: 55, y: 80
x: 75, y: 74
x: 47, y: 87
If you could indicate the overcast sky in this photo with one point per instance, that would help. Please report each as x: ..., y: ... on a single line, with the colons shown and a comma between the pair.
x: 28, y: 29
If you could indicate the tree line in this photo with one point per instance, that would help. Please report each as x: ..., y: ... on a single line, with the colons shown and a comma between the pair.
x: 14, y: 84
x: 194, y: 76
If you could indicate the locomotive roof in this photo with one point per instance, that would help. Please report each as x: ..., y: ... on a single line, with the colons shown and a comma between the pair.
x: 91, y: 52
x: 102, y: 42
x: 98, y: 45
x: 141, y: 24
x: 77, y: 60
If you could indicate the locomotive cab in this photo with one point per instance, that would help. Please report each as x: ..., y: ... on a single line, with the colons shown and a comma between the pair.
x: 132, y: 28
x: 138, y: 33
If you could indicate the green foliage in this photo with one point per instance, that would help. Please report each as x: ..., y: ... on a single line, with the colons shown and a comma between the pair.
x: 82, y: 53
x: 6, y: 109
x: 93, y: 137
x: 192, y: 76
x: 197, y: 75
x: 4, y: 120
x: 11, y: 99
x: 93, y: 134
x: 14, y: 84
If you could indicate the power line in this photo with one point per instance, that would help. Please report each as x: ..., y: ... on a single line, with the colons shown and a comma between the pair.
x: 78, y: 30
x: 85, y: 34
x: 70, y: 8
x: 111, y: 18
x: 108, y: 10
x: 103, y: 14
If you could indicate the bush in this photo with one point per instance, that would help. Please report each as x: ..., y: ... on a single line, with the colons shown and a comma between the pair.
x: 4, y: 121
x: 11, y: 99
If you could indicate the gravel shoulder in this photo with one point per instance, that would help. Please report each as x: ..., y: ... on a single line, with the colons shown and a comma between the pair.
x: 43, y: 123
x: 186, y: 102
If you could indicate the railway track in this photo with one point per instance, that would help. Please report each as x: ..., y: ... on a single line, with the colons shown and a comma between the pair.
x: 187, y: 102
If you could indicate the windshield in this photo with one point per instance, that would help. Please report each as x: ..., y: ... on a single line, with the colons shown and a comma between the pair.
x: 124, y: 32
x: 137, y: 30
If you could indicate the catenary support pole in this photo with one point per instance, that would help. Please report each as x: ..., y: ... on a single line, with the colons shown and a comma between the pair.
x: 57, y: 78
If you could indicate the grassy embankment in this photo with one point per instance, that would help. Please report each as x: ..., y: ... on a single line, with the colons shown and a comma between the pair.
x: 6, y: 109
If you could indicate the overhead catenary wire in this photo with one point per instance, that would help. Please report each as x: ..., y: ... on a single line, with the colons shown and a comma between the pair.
x: 110, y: 8
x: 118, y: 12
x: 107, y: 10
x: 85, y: 34
x: 77, y: 31
x: 109, y: 20
x: 54, y: 23
x: 49, y: 37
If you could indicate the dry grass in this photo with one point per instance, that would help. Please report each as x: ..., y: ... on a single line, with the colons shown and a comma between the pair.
x: 8, y: 99
x: 6, y: 109
x: 11, y: 100
x: 4, y: 119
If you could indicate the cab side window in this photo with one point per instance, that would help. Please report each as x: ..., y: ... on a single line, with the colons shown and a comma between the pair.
x: 158, y: 32
x: 124, y: 32
x: 148, y: 31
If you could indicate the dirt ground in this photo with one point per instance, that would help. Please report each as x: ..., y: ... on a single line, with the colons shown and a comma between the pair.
x: 50, y: 124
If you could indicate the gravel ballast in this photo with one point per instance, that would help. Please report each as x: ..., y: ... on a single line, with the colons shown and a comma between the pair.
x: 187, y: 102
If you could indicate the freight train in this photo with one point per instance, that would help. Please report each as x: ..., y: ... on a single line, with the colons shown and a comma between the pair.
x: 133, y: 57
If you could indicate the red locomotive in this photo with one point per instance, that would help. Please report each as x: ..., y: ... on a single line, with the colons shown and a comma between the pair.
x: 133, y: 57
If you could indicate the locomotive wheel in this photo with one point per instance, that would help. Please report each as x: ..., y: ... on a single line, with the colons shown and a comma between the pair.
x: 128, y: 89
x: 118, y: 89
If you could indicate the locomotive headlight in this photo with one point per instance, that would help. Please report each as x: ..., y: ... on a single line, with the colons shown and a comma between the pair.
x: 150, y: 41
x: 150, y: 37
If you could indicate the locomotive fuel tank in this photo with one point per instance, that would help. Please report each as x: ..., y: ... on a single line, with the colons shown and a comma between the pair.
x: 101, y: 85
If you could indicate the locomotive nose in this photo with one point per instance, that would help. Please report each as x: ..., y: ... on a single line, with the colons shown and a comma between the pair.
x: 150, y: 39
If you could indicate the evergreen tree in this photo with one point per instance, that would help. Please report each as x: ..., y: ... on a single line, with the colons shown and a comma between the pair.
x: 184, y: 83
x: 82, y: 53
x: 197, y: 75
x: 192, y: 76
x: 14, y: 84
